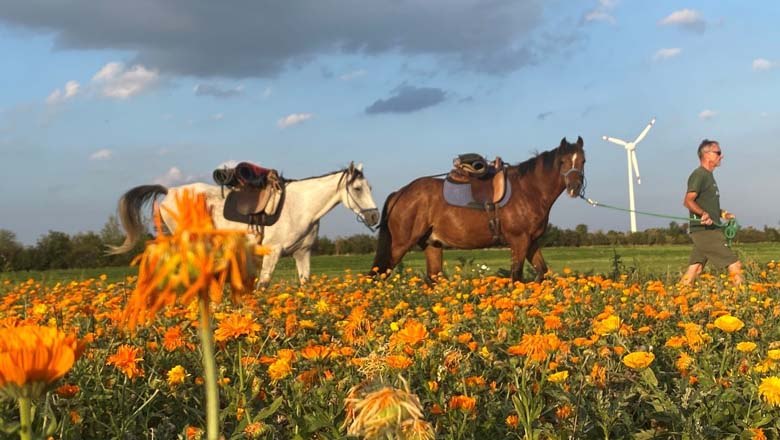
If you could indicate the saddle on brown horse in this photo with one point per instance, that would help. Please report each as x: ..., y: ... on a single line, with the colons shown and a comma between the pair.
x: 486, y: 180
x: 256, y: 194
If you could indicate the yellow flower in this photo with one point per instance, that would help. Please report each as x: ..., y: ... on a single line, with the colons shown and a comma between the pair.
x: 558, y: 377
x: 608, y: 325
x: 176, y: 376
x: 683, y: 363
x: 729, y: 323
x: 769, y: 390
x: 33, y: 357
x: 280, y: 369
x: 773, y: 354
x: 638, y: 360
x: 746, y: 347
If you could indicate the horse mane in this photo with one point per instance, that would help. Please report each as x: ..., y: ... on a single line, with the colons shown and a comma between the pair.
x: 354, y: 176
x: 546, y: 158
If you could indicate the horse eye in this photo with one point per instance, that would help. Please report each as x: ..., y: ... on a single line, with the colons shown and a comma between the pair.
x: 358, y: 188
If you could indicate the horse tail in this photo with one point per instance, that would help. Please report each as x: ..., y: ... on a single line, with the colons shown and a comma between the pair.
x: 382, y: 258
x: 129, y: 211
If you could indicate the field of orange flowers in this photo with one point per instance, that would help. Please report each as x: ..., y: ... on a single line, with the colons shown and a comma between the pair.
x: 470, y: 357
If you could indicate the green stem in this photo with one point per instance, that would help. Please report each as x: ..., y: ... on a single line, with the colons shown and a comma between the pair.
x: 25, y: 418
x: 209, y: 371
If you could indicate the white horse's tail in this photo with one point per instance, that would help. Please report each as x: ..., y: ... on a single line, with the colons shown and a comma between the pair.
x: 129, y: 212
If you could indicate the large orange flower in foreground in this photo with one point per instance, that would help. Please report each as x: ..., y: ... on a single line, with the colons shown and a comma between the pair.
x: 196, y: 260
x: 33, y: 357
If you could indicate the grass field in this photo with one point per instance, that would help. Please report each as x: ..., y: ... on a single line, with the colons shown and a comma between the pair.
x: 665, y: 263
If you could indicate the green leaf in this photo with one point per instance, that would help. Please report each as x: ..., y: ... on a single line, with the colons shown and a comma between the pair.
x: 646, y: 434
x: 270, y: 409
x: 648, y: 377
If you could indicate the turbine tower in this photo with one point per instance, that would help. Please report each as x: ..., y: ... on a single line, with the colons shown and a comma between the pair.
x: 633, y: 166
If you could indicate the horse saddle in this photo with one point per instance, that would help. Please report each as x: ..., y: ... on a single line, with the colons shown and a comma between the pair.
x: 256, y: 194
x: 475, y: 183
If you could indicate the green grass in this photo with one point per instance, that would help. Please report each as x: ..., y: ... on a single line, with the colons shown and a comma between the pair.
x: 663, y: 262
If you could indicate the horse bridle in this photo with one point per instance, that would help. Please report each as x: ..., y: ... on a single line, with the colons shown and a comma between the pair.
x: 574, y: 169
x: 361, y: 216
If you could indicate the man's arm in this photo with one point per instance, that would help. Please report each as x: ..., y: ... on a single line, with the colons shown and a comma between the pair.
x: 690, y: 203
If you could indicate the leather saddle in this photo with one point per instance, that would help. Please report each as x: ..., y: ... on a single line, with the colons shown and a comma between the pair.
x: 256, y: 194
x: 475, y: 183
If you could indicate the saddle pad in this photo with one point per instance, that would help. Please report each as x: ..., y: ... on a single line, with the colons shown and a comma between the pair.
x: 459, y: 194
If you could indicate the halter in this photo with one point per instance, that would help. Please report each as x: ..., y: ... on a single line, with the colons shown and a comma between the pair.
x: 574, y: 169
x: 361, y: 216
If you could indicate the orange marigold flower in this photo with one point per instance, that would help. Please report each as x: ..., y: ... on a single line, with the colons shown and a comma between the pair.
x: 173, y: 338
x: 757, y: 434
x: 638, y: 360
x: 381, y: 413
x: 33, y: 357
x: 536, y: 347
x: 195, y: 262
x: 235, y: 325
x: 316, y: 352
x: 683, y: 363
x: 564, y: 412
x: 67, y: 390
x: 609, y: 324
x: 398, y: 361
x: 465, y: 403
x: 512, y: 420
x: 412, y: 334
x: 176, y: 376
x: 126, y: 359
x: 280, y: 369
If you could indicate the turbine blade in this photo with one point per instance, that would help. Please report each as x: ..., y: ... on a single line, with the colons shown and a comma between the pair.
x: 644, y: 132
x: 620, y: 142
x: 635, y: 163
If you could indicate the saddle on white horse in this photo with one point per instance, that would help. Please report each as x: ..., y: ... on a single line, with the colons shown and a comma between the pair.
x: 256, y: 194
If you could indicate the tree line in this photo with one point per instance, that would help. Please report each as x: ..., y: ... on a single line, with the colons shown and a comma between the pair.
x: 58, y: 250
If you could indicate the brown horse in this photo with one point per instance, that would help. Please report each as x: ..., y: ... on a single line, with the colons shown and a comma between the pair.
x: 417, y: 214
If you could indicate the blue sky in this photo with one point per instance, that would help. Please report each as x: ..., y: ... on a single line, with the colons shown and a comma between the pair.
x: 98, y: 98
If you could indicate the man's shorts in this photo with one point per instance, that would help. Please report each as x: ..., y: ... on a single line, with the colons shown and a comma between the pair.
x: 710, y: 245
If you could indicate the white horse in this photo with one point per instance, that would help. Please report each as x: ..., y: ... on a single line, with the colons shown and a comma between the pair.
x: 294, y: 233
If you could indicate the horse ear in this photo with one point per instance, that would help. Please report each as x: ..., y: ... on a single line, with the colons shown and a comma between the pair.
x: 351, y: 167
x: 359, y: 167
x: 579, y: 141
x: 564, y: 142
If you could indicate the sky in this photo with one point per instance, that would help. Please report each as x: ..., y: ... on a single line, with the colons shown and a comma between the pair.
x: 99, y: 97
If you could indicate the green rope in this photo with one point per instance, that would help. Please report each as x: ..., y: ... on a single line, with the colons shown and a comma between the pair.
x: 729, y: 227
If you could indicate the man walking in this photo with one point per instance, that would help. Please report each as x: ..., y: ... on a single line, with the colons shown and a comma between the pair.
x: 703, y: 201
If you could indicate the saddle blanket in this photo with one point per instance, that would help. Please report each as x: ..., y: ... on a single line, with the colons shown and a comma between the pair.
x: 459, y: 194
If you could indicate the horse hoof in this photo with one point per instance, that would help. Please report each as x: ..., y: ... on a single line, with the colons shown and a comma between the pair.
x: 261, y: 285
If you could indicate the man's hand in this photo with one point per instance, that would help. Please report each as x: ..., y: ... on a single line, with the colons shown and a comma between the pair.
x: 705, y: 219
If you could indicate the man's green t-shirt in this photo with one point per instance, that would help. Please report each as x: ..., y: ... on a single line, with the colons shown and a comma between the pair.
x: 702, y: 182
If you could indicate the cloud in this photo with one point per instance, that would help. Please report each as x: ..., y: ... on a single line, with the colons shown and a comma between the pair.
x: 542, y: 116
x: 352, y: 75
x: 602, y: 12
x: 174, y: 177
x: 293, y: 119
x: 688, y: 19
x: 706, y: 115
x: 218, y: 116
x: 255, y: 40
x: 71, y: 89
x: 218, y: 91
x: 408, y: 99
x: 115, y: 81
x: 665, y: 54
x: 762, y: 65
x: 102, y: 154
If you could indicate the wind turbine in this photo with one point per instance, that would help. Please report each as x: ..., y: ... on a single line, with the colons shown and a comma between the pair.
x: 633, y: 166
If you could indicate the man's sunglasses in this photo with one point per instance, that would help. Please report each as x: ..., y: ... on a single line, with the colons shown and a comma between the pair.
x: 716, y: 152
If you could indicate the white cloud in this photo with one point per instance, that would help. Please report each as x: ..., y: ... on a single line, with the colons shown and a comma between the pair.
x: 352, y: 75
x: 706, y: 115
x: 602, y: 12
x: 173, y: 177
x: 70, y: 90
x: 666, y: 53
x: 293, y: 119
x: 115, y: 81
x: 689, y: 19
x: 102, y: 154
x: 218, y: 116
x: 762, y: 65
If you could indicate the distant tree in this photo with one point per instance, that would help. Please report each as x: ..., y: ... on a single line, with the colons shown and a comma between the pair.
x: 9, y: 250
x: 87, y: 250
x: 53, y: 251
x: 324, y: 246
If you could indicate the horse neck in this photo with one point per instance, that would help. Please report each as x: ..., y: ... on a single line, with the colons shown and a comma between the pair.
x: 318, y: 195
x: 548, y: 181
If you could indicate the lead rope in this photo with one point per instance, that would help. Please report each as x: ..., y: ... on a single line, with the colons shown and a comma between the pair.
x: 729, y: 227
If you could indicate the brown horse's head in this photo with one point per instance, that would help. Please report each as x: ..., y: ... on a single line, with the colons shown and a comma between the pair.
x: 571, y: 162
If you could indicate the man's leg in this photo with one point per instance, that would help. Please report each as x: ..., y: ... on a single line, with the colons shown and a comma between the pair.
x: 690, y: 275
x: 735, y: 273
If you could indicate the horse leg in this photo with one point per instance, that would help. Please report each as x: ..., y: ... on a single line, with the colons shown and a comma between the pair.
x: 537, y: 261
x: 433, y: 261
x: 303, y: 254
x: 268, y: 266
x: 519, y: 246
